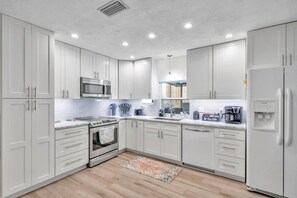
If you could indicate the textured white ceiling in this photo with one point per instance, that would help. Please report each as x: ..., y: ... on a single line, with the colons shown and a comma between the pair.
x: 211, y: 19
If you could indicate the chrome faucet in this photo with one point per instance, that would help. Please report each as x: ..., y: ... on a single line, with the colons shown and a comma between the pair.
x: 171, y: 112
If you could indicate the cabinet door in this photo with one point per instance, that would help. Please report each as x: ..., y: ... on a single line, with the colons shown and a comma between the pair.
x: 139, y: 135
x: 142, y: 79
x: 171, y: 145
x: 16, y: 58
x: 59, y: 70
x: 199, y: 73
x: 102, y: 67
x: 88, y: 64
x: 16, y: 145
x: 114, y: 78
x: 152, y: 143
x: 229, y: 70
x: 42, y: 63
x: 122, y: 134
x: 130, y: 135
x: 72, y: 74
x: 267, y: 47
x: 42, y: 140
x: 125, y: 79
x: 292, y: 44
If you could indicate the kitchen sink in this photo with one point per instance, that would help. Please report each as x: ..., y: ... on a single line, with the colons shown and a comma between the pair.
x: 168, y: 119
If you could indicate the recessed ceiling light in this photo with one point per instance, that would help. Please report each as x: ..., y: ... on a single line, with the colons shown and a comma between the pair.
x: 125, y: 43
x: 188, y: 25
x: 74, y: 36
x: 132, y: 57
x: 152, y: 36
x: 228, y: 35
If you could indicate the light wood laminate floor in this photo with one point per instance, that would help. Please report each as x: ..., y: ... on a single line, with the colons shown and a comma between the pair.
x: 111, y: 180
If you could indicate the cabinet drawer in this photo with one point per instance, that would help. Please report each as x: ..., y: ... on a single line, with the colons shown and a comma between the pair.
x: 152, y: 125
x: 230, y: 165
x: 71, y: 145
x: 72, y: 161
x: 230, y: 134
x: 233, y: 148
x: 71, y: 132
x: 171, y: 127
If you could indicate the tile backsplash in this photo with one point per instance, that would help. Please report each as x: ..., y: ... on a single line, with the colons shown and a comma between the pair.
x: 68, y: 109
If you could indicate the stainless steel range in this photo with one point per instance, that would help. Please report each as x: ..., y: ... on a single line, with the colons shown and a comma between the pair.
x: 103, y: 135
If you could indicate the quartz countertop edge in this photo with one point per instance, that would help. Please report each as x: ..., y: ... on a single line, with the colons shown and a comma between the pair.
x: 221, y: 125
x: 70, y: 124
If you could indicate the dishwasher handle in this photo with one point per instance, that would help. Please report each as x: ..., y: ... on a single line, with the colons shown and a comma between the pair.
x: 198, y: 130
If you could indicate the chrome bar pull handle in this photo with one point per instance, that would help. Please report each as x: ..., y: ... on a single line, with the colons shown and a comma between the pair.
x: 35, y: 92
x: 28, y: 108
x: 28, y: 91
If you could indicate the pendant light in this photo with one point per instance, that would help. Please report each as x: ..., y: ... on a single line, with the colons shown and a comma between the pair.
x: 169, y: 69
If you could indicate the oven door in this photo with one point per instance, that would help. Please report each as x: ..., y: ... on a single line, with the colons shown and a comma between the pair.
x: 103, y: 140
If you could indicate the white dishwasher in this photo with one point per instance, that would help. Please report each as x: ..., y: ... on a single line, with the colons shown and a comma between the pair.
x: 198, y: 143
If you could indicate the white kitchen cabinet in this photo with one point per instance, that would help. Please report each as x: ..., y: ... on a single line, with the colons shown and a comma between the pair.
x: 114, y: 78
x: 163, y: 140
x: 217, y: 72
x: 138, y: 79
x: 142, y: 79
x: 42, y: 63
x: 28, y: 60
x: 134, y: 135
x: 267, y: 47
x: 229, y: 70
x: 67, y: 71
x: 199, y: 73
x: 292, y: 44
x: 43, y: 135
x: 102, y: 67
x: 16, y: 58
x: 122, y: 134
x: 16, y: 145
x: 126, y: 79
x: 88, y: 64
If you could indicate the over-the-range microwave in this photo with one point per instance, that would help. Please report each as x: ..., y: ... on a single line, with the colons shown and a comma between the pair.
x: 94, y: 88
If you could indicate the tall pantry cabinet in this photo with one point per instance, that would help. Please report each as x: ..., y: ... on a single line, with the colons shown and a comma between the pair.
x: 27, y: 105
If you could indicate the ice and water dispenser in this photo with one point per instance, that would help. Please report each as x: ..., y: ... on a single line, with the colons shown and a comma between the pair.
x: 265, y: 115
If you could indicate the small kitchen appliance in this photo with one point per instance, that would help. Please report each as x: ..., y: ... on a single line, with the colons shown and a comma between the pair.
x: 233, y: 114
x: 214, y: 117
x: 139, y: 112
x: 196, y: 115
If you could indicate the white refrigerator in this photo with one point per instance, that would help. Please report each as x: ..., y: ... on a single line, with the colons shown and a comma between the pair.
x: 272, y: 131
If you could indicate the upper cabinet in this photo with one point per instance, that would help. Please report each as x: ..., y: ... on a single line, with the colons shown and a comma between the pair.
x: 114, y: 78
x: 177, y: 66
x: 126, y: 79
x: 267, y: 47
x: 67, y: 71
x: 229, y: 70
x: 273, y: 46
x: 94, y: 65
x: 199, y: 75
x: 27, y: 60
x: 138, y: 79
x: 217, y: 72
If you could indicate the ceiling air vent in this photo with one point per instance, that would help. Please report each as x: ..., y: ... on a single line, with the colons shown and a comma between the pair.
x: 113, y: 7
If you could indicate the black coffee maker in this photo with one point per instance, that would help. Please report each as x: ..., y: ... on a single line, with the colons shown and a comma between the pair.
x: 233, y: 114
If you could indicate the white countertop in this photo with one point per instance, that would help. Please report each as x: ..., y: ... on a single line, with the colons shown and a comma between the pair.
x: 70, y: 124
x: 222, y: 124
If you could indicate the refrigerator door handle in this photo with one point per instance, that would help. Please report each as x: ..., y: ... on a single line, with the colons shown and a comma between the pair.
x: 279, y: 137
x: 288, y: 133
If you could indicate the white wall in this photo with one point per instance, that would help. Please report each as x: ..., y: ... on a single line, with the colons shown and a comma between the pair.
x: 178, y: 68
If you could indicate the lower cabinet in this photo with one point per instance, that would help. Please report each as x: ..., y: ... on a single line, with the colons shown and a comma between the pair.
x: 122, y: 134
x: 162, y: 139
x: 230, y: 153
x: 27, y: 143
x: 72, y: 148
x: 134, y: 135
